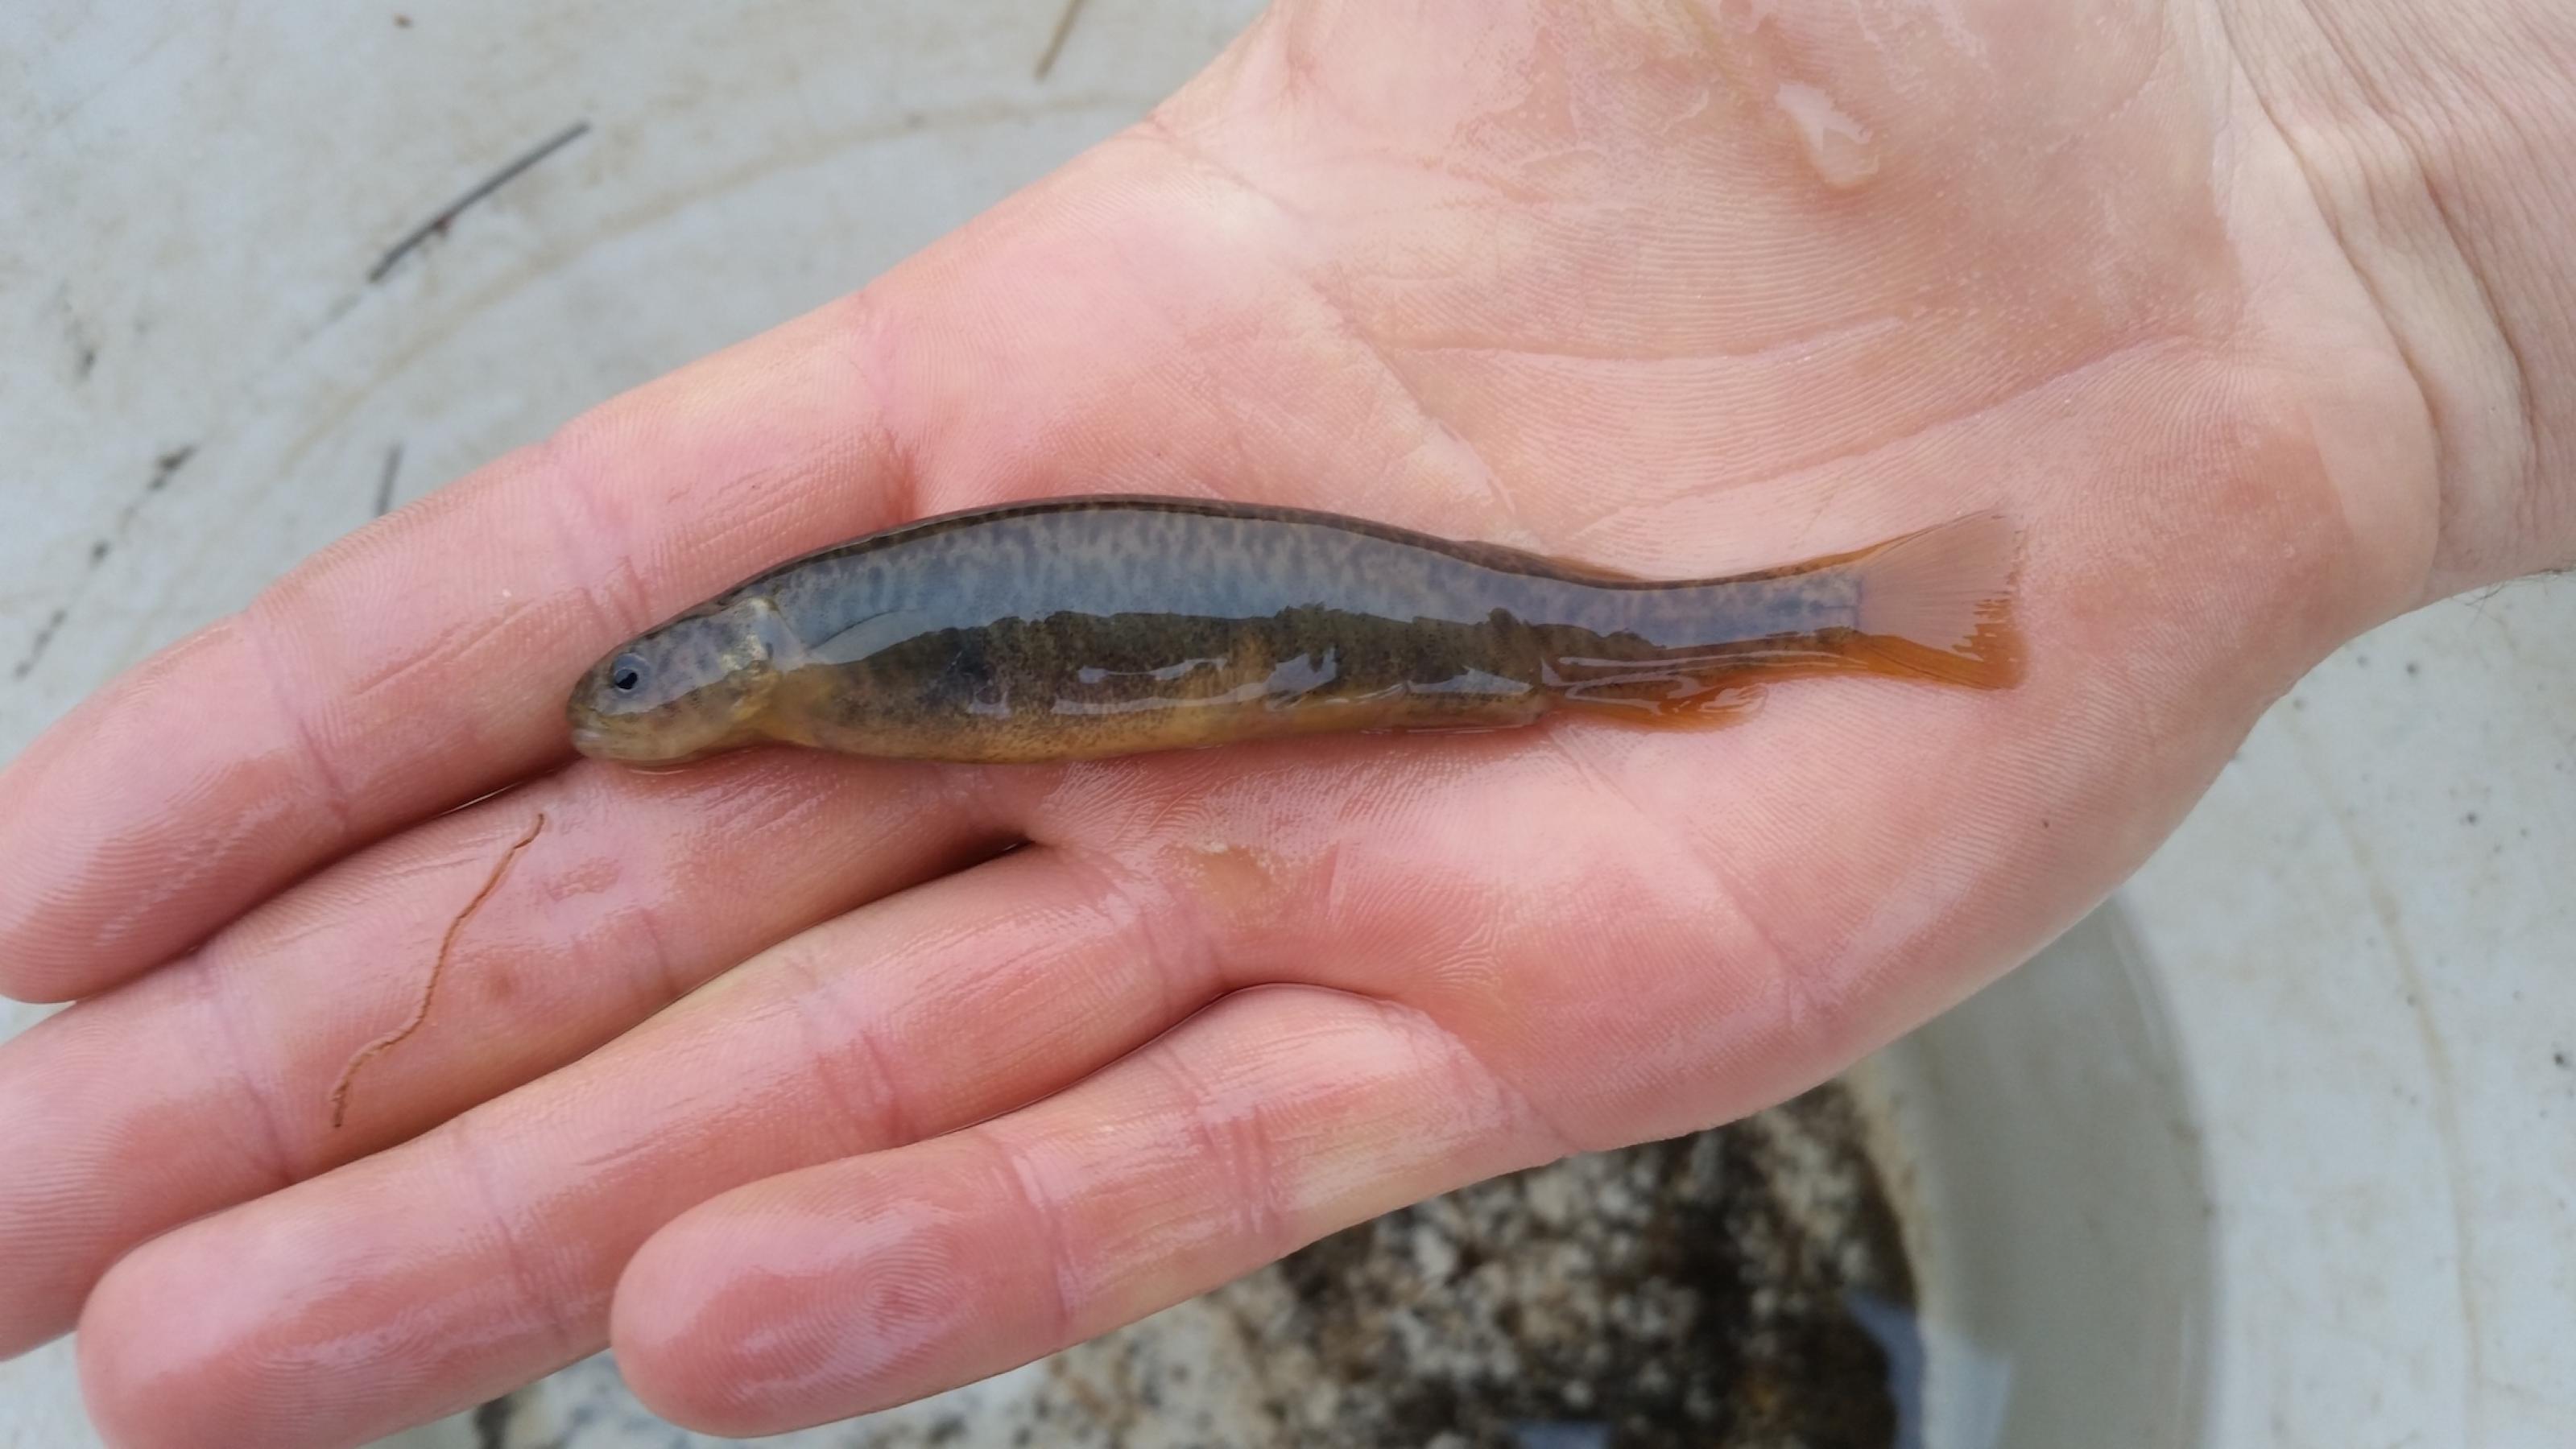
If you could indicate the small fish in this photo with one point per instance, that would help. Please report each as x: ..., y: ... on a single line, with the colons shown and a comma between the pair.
x: 1086, y: 627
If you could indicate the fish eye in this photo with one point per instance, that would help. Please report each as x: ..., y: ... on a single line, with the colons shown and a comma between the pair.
x: 626, y: 674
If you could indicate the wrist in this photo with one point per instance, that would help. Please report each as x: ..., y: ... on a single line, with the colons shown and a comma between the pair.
x: 2439, y: 143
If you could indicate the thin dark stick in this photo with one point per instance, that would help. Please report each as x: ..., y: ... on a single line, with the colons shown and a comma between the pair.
x: 1055, y: 45
x: 489, y: 184
x: 385, y: 486
x: 420, y: 1013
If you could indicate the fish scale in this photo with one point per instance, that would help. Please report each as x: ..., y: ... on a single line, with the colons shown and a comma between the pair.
x: 1089, y: 627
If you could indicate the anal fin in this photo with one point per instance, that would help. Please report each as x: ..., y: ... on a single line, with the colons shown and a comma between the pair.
x: 1672, y: 700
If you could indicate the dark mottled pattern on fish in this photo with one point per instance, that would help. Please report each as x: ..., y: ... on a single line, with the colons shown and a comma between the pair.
x: 1089, y: 627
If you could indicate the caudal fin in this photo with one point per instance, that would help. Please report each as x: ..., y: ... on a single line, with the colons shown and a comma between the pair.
x: 1938, y: 604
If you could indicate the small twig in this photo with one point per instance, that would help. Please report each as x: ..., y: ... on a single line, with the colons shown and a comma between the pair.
x: 420, y: 1013
x: 489, y: 184
x: 36, y: 650
x: 385, y: 485
x: 1055, y: 44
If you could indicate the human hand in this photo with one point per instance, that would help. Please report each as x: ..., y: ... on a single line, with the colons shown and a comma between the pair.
x: 1676, y: 295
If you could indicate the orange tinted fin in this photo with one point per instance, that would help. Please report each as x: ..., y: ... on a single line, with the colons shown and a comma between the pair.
x: 1938, y: 604
x: 1714, y: 704
x: 1667, y: 699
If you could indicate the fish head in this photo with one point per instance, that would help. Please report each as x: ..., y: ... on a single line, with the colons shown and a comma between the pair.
x: 693, y: 686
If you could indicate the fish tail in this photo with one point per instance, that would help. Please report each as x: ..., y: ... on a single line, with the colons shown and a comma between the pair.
x: 1938, y: 604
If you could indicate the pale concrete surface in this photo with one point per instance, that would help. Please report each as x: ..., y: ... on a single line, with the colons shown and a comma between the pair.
x: 2368, y: 942
x: 2369, y: 988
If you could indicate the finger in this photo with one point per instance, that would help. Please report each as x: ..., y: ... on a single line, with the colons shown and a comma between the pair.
x: 425, y: 659
x: 639, y: 888
x: 1276, y: 1117
x: 474, y: 1258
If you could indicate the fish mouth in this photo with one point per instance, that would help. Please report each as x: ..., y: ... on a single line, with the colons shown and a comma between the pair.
x: 594, y: 735
x: 600, y: 742
x: 591, y: 740
x: 629, y: 747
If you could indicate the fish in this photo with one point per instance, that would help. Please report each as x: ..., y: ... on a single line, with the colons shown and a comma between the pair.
x: 1108, y: 625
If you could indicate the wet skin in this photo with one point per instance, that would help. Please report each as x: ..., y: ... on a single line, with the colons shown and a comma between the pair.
x: 1093, y: 627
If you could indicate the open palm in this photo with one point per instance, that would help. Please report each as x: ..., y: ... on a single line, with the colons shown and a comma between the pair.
x: 975, y: 1062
